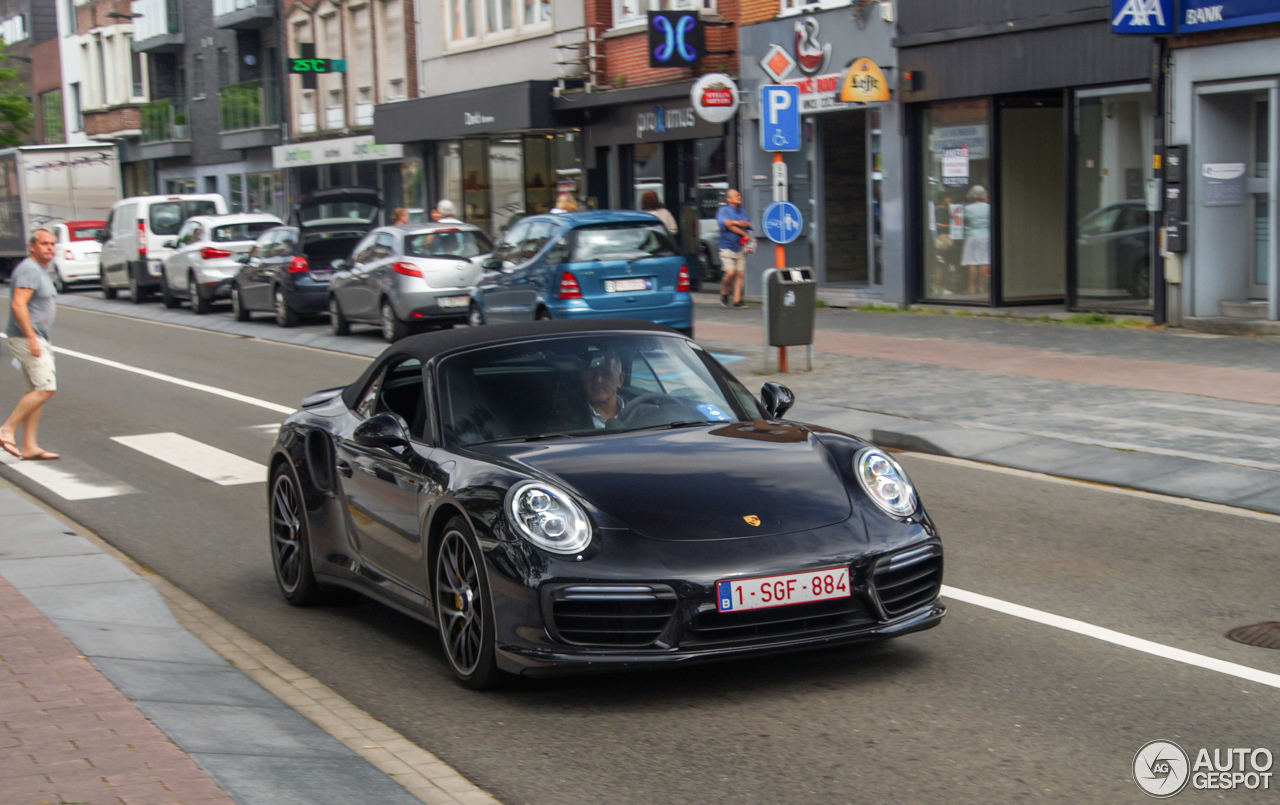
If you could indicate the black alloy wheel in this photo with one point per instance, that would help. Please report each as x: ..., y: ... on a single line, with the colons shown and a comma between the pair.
x: 338, y: 324
x: 166, y: 293
x: 392, y: 328
x: 238, y: 309
x: 290, y: 541
x: 285, y: 316
x: 475, y: 318
x: 199, y: 305
x: 463, y: 611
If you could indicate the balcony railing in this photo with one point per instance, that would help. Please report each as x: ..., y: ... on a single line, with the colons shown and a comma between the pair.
x: 164, y: 121
x: 221, y: 7
x: 249, y: 105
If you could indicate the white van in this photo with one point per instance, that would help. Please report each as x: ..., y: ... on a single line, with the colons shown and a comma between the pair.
x: 133, y: 245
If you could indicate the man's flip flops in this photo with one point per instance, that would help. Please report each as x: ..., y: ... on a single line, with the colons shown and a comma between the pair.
x: 11, y: 448
x: 43, y: 455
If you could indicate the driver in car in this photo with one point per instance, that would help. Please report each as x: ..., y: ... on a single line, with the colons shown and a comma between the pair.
x: 602, y: 378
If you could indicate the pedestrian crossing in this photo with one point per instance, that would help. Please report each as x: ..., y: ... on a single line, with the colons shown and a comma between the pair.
x: 72, y: 479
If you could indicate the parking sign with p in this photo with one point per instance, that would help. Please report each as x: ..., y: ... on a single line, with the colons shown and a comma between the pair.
x: 780, y: 117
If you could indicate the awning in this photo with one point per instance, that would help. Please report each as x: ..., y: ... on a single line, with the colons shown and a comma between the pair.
x: 510, y: 107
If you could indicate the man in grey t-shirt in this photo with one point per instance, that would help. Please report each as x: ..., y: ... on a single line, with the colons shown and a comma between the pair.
x: 31, y: 313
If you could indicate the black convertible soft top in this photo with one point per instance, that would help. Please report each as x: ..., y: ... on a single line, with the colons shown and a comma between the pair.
x: 426, y: 346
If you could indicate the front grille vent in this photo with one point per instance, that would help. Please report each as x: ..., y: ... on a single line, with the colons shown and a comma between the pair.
x: 618, y: 615
x: 713, y: 628
x: 908, y: 580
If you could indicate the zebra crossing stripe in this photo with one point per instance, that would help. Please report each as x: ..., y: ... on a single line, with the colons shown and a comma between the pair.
x: 197, y: 458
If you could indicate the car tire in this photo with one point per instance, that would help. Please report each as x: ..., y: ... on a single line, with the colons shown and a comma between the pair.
x: 136, y: 293
x: 285, y: 316
x: 199, y: 305
x: 166, y: 293
x: 543, y: 314
x: 107, y: 291
x: 392, y: 328
x: 291, y: 540
x: 238, y: 309
x: 475, y: 318
x: 464, y: 611
x: 58, y: 284
x: 338, y: 324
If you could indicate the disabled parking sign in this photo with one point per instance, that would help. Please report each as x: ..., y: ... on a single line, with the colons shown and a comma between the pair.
x: 780, y: 117
x: 782, y: 222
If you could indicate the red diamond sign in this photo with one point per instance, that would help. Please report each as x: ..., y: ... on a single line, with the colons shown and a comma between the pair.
x: 777, y: 63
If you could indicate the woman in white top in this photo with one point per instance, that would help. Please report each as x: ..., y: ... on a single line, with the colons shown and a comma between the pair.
x: 650, y: 204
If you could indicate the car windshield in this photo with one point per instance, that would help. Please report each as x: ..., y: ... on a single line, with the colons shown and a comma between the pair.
x: 624, y: 241
x: 447, y: 243
x: 167, y: 217
x: 337, y: 212
x: 244, y: 231
x: 86, y: 232
x: 584, y: 385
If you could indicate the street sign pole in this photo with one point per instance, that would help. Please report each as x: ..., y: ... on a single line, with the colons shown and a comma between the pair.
x: 779, y: 250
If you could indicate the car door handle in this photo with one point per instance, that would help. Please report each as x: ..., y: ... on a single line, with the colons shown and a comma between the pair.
x: 344, y: 469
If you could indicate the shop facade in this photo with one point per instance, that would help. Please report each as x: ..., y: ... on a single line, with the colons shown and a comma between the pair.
x: 846, y: 179
x: 1225, y: 102
x: 1029, y: 143
x: 498, y: 153
x: 396, y: 172
x: 651, y: 139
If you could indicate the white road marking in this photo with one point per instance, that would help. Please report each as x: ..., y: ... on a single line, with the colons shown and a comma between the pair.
x: 69, y: 478
x: 177, y: 381
x: 197, y: 458
x: 1113, y: 637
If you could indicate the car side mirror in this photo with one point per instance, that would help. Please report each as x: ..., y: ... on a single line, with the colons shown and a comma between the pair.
x: 777, y: 399
x: 386, y: 431
x: 102, y: 236
x: 491, y: 264
x: 169, y: 244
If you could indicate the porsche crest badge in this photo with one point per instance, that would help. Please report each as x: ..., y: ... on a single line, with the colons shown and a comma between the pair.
x: 751, y: 519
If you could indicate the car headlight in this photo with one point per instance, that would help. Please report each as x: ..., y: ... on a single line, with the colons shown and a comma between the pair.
x: 548, y: 517
x: 885, y: 482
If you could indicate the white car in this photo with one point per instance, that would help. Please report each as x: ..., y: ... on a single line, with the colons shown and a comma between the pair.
x: 203, y: 262
x: 75, y: 259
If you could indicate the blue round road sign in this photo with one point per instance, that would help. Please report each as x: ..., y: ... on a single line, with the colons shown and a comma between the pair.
x: 782, y: 222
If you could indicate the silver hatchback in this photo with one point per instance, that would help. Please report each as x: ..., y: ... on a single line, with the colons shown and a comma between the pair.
x: 203, y: 262
x: 408, y: 277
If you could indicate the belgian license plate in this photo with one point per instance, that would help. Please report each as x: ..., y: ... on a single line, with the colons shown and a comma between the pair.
x: 628, y: 285
x: 763, y: 592
x: 454, y: 301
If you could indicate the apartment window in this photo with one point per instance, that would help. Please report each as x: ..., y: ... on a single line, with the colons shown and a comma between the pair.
x: 473, y: 21
x: 307, y: 112
x: 197, y: 77
x: 77, y: 108
x: 135, y: 69
x: 332, y: 36
x: 627, y: 13
x: 224, y: 67
x: 51, y: 113
x: 71, y: 17
x: 364, y: 106
x: 334, y: 115
x: 395, y: 89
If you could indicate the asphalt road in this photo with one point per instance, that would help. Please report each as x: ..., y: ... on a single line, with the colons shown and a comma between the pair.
x: 986, y: 708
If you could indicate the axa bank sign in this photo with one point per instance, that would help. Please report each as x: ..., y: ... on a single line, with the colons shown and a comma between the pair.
x: 1157, y: 17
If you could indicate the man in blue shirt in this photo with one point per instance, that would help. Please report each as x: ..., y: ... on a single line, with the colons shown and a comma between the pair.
x: 734, y: 224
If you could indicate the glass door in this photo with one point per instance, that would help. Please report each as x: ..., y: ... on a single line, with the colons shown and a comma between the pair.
x: 1259, y: 176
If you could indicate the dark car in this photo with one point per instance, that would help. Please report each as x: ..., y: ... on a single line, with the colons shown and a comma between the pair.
x: 1113, y: 252
x: 586, y: 265
x: 287, y: 271
x: 593, y: 495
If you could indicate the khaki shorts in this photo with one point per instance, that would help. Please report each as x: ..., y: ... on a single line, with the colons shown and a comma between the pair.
x: 732, y: 261
x: 38, y: 371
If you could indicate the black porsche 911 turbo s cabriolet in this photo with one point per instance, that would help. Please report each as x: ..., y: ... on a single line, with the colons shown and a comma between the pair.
x: 589, y: 495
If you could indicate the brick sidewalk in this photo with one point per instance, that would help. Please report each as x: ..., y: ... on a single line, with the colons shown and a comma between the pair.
x: 68, y: 736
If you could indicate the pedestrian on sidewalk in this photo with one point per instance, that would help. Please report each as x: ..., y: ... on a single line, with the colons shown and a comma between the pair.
x: 734, y: 224
x: 399, y: 216
x: 446, y: 212
x: 31, y: 313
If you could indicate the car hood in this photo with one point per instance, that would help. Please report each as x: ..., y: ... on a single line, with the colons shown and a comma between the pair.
x: 698, y: 483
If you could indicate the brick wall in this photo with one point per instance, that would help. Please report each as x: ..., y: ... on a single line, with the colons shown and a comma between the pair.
x: 626, y: 58
x: 754, y: 11
x: 109, y: 121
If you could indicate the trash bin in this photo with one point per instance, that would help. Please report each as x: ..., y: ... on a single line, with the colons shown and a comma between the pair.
x: 790, y: 294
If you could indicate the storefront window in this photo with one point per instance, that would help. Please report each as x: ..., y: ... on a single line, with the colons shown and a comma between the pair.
x: 402, y: 187
x: 539, y: 173
x: 877, y: 196
x: 568, y: 160
x: 646, y: 173
x: 475, y: 182
x: 506, y: 177
x: 1113, y: 227
x: 266, y: 193
x: 957, y: 196
x: 449, y: 171
x: 236, y: 202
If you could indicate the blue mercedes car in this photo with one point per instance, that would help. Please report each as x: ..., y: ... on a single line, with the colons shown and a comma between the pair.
x: 586, y: 265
